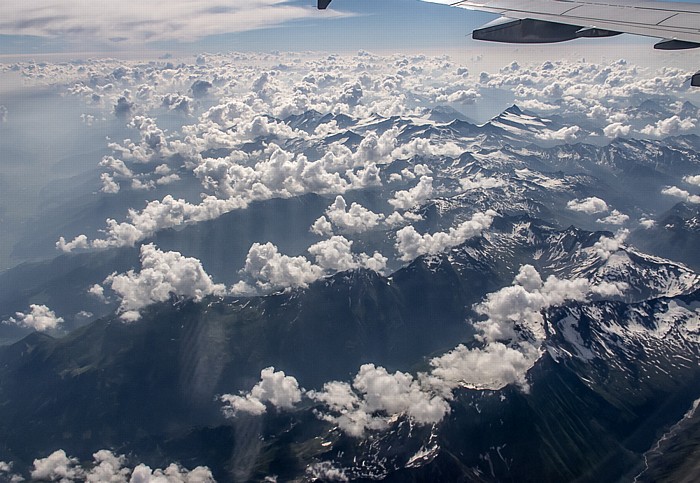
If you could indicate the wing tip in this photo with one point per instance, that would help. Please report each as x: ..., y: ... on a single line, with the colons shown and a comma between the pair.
x: 323, y: 4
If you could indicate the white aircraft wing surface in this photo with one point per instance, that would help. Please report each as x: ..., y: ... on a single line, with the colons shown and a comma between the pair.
x: 679, y: 21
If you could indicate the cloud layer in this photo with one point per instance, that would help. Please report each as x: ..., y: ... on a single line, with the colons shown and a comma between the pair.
x: 131, y: 21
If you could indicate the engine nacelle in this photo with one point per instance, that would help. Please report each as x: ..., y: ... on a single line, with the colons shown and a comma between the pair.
x: 526, y: 31
x: 695, y: 80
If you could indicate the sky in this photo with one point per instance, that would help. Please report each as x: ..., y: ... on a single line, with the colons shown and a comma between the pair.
x: 135, y: 26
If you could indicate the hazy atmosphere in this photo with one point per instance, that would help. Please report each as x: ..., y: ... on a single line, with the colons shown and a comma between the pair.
x: 265, y: 242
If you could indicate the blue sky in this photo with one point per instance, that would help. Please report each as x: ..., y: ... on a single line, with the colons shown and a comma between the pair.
x: 349, y: 25
x: 179, y: 26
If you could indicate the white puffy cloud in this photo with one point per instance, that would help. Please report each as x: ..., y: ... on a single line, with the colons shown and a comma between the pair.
x: 6, y: 473
x: 492, y: 367
x: 647, y: 223
x: 617, y: 129
x: 590, y: 205
x: 694, y: 180
x: 682, y: 194
x: 39, y: 318
x: 57, y: 467
x: 275, y: 387
x: 403, y: 200
x: 410, y: 244
x: 79, y: 242
x: 272, y: 270
x: 98, y: 292
x: 606, y: 246
x: 162, y: 275
x: 356, y: 219
x: 335, y: 255
x: 375, y: 397
x: 108, y: 467
x: 566, y: 133
x: 614, y: 218
x: 669, y: 127
x: 157, y: 215
x: 108, y: 185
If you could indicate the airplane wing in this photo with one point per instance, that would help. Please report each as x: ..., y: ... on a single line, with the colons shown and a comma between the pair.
x: 596, y: 18
x: 545, y: 21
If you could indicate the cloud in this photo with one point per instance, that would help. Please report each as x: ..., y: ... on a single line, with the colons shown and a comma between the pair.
x: 272, y: 270
x: 669, y: 127
x: 3, y: 114
x: 567, y: 133
x: 647, y: 223
x: 79, y: 242
x: 694, y: 180
x: 325, y: 471
x: 109, y: 467
x: 403, y: 200
x: 492, y: 367
x: 56, y: 467
x: 162, y: 275
x: 616, y: 130
x: 606, y: 246
x: 108, y: 186
x: 356, y: 219
x: 133, y: 22
x: 275, y: 387
x: 375, y: 397
x: 589, y: 206
x: 39, y: 318
x: 614, y: 218
x: 410, y: 244
x: 677, y: 192
x: 335, y: 255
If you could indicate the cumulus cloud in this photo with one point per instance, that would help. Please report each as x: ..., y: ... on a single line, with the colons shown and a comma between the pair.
x: 694, y: 180
x: 669, y: 127
x: 275, y: 387
x: 606, y: 245
x: 617, y: 129
x: 374, y: 397
x: 109, y: 467
x: 403, y: 200
x: 567, y: 133
x: 39, y: 318
x: 162, y: 275
x: 614, y: 218
x: 356, y: 219
x: 108, y: 186
x: 335, y: 255
x: 272, y: 270
x: 647, y: 223
x: 132, y: 22
x: 410, y: 244
x: 682, y: 194
x: 589, y: 206
x: 79, y: 242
